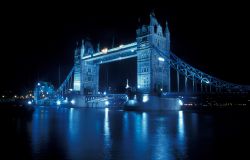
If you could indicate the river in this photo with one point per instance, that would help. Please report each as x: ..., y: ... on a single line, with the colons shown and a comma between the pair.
x: 77, y: 133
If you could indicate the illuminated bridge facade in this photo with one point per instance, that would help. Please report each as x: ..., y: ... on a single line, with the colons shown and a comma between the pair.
x: 154, y: 61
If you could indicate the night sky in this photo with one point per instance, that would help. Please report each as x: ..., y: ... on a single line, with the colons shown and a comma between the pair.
x: 36, y: 37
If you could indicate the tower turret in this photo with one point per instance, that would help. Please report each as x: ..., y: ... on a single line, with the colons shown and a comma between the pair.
x: 167, y: 35
x: 153, y: 72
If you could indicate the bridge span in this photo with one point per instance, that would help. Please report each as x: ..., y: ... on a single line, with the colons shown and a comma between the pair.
x: 155, y: 63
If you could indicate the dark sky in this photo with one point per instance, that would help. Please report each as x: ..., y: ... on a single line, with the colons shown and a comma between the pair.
x: 38, y: 37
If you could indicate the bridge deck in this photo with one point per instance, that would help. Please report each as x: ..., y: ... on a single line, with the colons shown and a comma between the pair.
x: 114, y: 54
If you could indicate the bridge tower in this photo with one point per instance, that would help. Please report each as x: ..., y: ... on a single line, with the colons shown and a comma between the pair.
x: 86, y: 74
x: 153, y: 70
x: 77, y: 69
x: 90, y: 71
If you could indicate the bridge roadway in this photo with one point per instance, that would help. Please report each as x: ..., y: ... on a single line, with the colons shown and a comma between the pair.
x: 114, y: 54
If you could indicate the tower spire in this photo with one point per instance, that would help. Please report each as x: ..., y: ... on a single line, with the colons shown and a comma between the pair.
x: 166, y: 30
x: 153, y: 20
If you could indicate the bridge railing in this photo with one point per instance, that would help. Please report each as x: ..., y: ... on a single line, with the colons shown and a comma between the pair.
x: 197, y: 75
x: 66, y: 83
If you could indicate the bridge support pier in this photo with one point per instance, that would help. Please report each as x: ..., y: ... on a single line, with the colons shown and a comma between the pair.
x: 201, y: 88
x: 178, y: 80
x: 193, y: 83
x: 186, y: 84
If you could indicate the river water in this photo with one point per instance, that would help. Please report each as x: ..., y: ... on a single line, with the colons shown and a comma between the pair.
x: 74, y: 133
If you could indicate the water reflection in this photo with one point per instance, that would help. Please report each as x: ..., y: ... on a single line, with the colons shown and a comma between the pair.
x: 144, y: 125
x: 71, y: 133
x: 72, y: 128
x: 107, y: 140
x: 162, y: 148
x: 40, y: 130
x: 181, y: 135
x: 180, y: 126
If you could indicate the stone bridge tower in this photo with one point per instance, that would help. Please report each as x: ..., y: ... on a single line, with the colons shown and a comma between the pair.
x: 86, y: 74
x: 77, y: 69
x: 90, y: 71
x: 153, y: 69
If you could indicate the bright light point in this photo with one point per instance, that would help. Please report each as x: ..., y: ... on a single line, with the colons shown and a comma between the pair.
x: 38, y: 84
x: 106, y: 103
x: 105, y: 50
x: 106, y: 109
x: 105, y: 93
x: 3, y: 96
x: 29, y: 102
x: 15, y: 96
x: 180, y: 102
x: 121, y: 46
x: 161, y: 59
x: 73, y: 102
x: 132, y: 50
x: 131, y: 102
x: 161, y: 89
x: 145, y: 98
x: 205, y: 80
x: 138, y: 86
x: 70, y: 89
x: 66, y: 100
x: 58, y: 102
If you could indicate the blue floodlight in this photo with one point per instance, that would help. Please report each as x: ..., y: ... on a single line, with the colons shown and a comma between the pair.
x: 161, y: 59
x: 58, y: 102
x: 73, y: 102
x: 180, y: 102
x: 145, y: 98
x: 106, y: 103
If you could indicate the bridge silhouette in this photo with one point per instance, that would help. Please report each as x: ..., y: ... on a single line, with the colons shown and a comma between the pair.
x: 154, y: 64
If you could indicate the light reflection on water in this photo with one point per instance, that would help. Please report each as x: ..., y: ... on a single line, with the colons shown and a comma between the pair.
x: 162, y: 148
x: 144, y: 125
x: 107, y: 140
x: 73, y: 133
x: 181, y: 135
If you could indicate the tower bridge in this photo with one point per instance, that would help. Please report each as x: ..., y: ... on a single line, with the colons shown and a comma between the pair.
x: 154, y: 63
